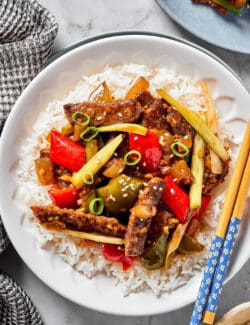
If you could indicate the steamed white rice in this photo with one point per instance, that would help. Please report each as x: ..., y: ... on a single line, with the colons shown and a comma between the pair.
x: 89, y: 260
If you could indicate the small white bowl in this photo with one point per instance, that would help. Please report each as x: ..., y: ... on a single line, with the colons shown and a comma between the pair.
x: 54, y: 81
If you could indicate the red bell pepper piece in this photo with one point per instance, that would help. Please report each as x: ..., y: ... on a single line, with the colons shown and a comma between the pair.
x: 150, y: 149
x: 204, y: 203
x: 65, y: 197
x: 115, y: 253
x: 176, y: 199
x: 127, y: 262
x: 65, y: 152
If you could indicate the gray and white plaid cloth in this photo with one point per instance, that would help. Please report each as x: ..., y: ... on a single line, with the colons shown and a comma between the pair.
x: 27, y: 32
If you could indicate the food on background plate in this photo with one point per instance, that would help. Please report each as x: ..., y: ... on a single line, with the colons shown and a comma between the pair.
x: 225, y: 6
x: 120, y: 176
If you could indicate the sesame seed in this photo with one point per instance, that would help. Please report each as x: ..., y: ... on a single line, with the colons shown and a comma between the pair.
x: 185, y: 137
x: 155, y: 188
x: 125, y: 195
x: 172, y: 191
x: 99, y: 118
x: 144, y: 164
x: 119, y: 114
x: 135, y: 138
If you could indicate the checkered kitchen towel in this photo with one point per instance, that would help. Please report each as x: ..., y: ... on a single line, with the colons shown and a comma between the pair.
x: 27, y: 32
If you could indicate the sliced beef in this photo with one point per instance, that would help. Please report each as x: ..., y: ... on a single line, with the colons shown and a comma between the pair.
x: 141, y: 216
x: 155, y: 114
x: 57, y: 218
x: 145, y: 98
x: 177, y: 123
x: 122, y: 111
x: 159, y: 221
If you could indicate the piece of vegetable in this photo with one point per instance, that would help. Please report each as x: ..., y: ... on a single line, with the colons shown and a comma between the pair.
x: 140, y: 85
x: 197, y: 169
x: 216, y: 164
x: 175, y: 149
x: 176, y: 199
x: 132, y: 157
x: 67, y: 129
x: 65, y: 197
x: 95, y: 237
x: 101, y: 94
x: 45, y: 171
x: 175, y: 240
x: 194, y: 119
x: 124, y: 127
x: 97, y: 161
x: 96, y: 206
x: 204, y: 203
x: 115, y: 253
x: 78, y: 129
x: 225, y: 4
x: 150, y: 150
x: 81, y: 118
x: 114, y: 168
x: 120, y: 194
x: 91, y: 149
x: 154, y: 258
x: 89, y: 133
x: 65, y: 152
x: 87, y: 177
x: 189, y: 245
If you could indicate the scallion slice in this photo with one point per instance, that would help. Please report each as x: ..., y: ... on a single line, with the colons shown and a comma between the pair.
x: 89, y: 134
x: 96, y: 206
x: 174, y: 148
x: 81, y: 118
x: 132, y: 157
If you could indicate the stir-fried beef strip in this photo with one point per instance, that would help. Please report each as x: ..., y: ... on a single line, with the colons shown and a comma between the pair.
x: 56, y: 218
x: 154, y: 111
x: 162, y: 219
x: 120, y: 111
x: 177, y: 123
x: 141, y: 216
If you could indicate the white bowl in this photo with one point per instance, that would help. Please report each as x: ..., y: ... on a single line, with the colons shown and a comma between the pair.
x: 54, y: 81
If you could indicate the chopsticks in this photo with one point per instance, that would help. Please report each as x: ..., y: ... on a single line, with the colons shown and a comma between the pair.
x: 231, y: 236
x: 221, y: 231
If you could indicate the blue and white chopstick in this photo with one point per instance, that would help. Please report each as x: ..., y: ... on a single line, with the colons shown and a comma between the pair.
x: 227, y: 249
x: 225, y: 216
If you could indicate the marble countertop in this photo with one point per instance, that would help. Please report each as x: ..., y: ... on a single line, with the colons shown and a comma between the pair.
x: 79, y: 19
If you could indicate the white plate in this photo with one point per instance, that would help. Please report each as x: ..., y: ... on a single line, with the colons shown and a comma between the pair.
x: 100, y: 293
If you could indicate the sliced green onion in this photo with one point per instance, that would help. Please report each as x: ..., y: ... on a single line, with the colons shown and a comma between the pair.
x: 129, y: 158
x: 87, y: 176
x: 89, y: 134
x: 225, y: 4
x: 96, y: 206
x: 174, y: 150
x: 77, y: 117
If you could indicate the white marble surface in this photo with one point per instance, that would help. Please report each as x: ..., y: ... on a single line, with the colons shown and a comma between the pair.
x: 79, y: 19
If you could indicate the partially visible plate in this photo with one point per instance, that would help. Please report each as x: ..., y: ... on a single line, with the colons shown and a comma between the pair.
x: 227, y: 31
x: 87, y: 57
